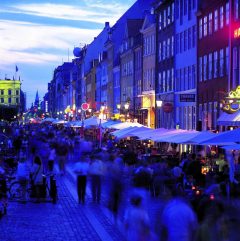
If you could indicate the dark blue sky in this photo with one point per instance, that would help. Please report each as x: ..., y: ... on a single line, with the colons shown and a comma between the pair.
x: 37, y: 36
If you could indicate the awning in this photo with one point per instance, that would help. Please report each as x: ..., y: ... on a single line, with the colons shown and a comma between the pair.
x: 226, y: 119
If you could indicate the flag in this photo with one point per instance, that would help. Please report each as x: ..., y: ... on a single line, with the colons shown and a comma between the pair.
x: 16, y: 68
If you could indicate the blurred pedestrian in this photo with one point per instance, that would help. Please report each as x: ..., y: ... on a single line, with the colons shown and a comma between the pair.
x: 179, y: 222
x: 37, y: 177
x: 96, y: 170
x: 51, y: 158
x: 62, y: 152
x: 137, y: 222
x: 22, y: 175
x: 81, y: 168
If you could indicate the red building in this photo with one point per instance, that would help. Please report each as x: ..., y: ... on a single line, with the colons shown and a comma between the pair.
x: 214, y: 44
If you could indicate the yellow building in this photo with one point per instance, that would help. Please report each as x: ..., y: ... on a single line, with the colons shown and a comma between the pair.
x: 10, y: 92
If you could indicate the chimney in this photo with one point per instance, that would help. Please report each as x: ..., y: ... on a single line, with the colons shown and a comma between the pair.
x: 106, y: 24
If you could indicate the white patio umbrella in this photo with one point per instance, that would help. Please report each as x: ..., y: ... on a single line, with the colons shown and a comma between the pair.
x: 198, y: 137
x: 133, y: 131
x: 108, y: 123
x: 121, y: 131
x: 167, y: 136
x: 224, y: 138
x: 48, y: 119
x: 123, y: 125
x: 93, y: 121
x: 231, y: 147
x: 151, y: 133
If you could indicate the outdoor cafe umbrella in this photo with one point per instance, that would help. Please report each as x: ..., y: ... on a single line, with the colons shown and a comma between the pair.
x: 124, y: 125
x: 48, y: 120
x: 224, y: 138
x: 132, y: 131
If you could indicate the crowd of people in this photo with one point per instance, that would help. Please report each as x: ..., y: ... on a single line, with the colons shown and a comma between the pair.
x: 125, y: 170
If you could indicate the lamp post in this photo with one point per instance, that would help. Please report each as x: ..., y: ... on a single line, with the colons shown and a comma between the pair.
x: 126, y: 107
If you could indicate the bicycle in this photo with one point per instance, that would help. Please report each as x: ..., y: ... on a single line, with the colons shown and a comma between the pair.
x: 20, y: 190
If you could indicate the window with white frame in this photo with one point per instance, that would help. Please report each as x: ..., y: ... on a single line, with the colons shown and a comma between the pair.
x: 160, y: 21
x: 160, y: 52
x: 200, y: 69
x: 172, y: 80
x: 185, y: 78
x: 172, y: 46
x: 227, y: 13
x: 194, y: 35
x: 177, y: 43
x: 200, y: 108
x: 169, y: 15
x: 164, y: 50
x: 168, y: 47
x: 205, y: 67
x: 227, y: 60
x: 181, y: 42
x: 185, y: 40
x: 177, y: 9
x: 200, y: 28
x: 205, y: 23
x: 221, y: 17
x: 236, y: 8
x: 160, y: 82
x: 210, y: 23
x: 182, y: 79
x: 210, y: 66
x: 164, y: 18
x: 168, y: 80
x: 177, y: 80
x: 173, y: 12
x: 194, y: 76
x: 216, y: 20
x: 189, y: 38
x: 190, y: 77
x: 164, y: 81
x: 221, y: 62
x: 215, y: 64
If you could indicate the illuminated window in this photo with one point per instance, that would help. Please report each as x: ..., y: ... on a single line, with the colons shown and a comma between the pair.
x: 227, y: 13
x: 221, y: 17
x: 210, y: 22
x: 205, y: 26
x: 216, y: 20
x: 200, y: 28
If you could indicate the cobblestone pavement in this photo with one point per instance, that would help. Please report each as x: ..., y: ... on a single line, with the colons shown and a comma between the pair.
x: 66, y: 220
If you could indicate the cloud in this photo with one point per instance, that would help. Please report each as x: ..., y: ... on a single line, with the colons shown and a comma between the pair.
x: 92, y: 12
x: 24, y: 42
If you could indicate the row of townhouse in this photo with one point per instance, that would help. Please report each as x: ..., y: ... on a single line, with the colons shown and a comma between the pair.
x: 164, y: 63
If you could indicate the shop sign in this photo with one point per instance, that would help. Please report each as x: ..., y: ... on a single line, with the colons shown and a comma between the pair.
x: 187, y: 97
x: 85, y: 106
x: 168, y: 107
x: 231, y: 103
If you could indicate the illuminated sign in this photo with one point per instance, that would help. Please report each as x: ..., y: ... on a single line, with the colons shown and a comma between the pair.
x: 231, y: 103
x: 237, y: 33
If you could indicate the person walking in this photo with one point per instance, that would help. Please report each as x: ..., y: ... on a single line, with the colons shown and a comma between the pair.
x: 51, y: 158
x: 37, y: 177
x: 81, y: 168
x: 96, y: 170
